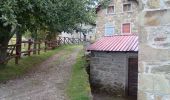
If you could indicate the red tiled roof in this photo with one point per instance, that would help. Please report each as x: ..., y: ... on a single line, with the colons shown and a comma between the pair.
x: 116, y: 43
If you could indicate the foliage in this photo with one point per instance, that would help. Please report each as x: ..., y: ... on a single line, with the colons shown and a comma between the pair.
x: 41, y: 35
x: 79, y: 87
x: 104, y: 3
x: 54, y: 16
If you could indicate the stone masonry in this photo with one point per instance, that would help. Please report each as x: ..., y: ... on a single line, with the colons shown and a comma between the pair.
x: 118, y: 18
x: 109, y: 71
x: 154, y: 52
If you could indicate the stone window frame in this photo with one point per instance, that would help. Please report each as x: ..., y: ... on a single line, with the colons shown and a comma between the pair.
x: 110, y: 13
x: 122, y: 28
x: 125, y: 4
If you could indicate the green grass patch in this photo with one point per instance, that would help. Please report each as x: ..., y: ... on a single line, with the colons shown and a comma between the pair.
x: 79, y: 87
x: 11, y: 70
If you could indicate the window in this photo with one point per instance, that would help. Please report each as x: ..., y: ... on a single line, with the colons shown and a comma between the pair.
x: 127, y: 7
x: 109, y: 30
x: 110, y: 10
x: 126, y: 28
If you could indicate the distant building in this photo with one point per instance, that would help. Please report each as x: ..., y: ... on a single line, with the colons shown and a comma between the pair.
x: 90, y: 33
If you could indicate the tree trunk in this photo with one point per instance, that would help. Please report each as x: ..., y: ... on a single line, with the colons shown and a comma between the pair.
x: 19, y: 45
x: 35, y: 44
x: 5, y: 35
x: 3, y: 51
x: 35, y: 47
x: 51, y: 37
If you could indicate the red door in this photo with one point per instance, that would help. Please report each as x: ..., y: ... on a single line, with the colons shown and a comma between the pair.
x: 133, y: 77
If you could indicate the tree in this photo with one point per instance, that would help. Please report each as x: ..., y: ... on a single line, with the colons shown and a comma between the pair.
x: 55, y: 16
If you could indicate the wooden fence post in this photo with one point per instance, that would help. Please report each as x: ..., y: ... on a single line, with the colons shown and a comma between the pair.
x: 79, y: 41
x: 50, y: 44
x: 59, y: 41
x: 45, y: 48
x: 73, y: 40
x: 64, y: 40
x: 35, y: 47
x: 17, y: 56
x: 17, y: 50
x: 39, y: 47
x: 29, y: 47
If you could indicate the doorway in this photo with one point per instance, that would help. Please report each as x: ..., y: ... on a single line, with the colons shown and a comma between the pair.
x: 132, y: 77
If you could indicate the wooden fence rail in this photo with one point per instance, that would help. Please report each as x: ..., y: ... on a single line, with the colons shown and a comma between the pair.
x: 30, y: 48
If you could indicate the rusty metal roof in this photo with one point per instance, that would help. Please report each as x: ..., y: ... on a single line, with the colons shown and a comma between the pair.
x: 121, y: 43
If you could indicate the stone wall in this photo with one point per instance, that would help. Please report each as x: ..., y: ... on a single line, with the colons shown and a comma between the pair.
x: 154, y: 52
x: 117, y: 19
x: 109, y: 71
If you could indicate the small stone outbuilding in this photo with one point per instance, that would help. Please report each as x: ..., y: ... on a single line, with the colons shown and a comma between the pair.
x: 114, y: 65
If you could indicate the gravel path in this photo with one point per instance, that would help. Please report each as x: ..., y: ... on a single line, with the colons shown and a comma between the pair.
x: 46, y: 82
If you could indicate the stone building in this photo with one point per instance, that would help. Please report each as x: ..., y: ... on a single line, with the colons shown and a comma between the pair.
x: 154, y: 52
x: 120, y: 17
x: 114, y: 65
x: 152, y: 18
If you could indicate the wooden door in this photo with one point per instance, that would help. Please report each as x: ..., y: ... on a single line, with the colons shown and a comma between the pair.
x: 133, y: 77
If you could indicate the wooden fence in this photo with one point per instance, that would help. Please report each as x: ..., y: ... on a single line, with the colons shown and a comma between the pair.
x: 13, y: 51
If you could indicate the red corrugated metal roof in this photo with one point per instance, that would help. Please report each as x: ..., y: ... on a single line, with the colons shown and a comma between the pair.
x: 116, y: 43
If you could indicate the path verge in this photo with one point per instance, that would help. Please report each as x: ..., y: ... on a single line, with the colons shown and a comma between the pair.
x: 79, y: 87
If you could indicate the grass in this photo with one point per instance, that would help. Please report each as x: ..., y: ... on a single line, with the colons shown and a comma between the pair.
x: 79, y: 87
x: 25, y: 64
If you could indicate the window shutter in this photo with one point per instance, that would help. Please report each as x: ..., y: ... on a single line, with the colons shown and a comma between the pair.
x: 126, y: 28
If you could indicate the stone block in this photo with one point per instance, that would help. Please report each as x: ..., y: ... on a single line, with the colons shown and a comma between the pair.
x: 156, y: 67
x: 164, y: 69
x: 94, y: 59
x: 146, y: 82
x: 118, y: 67
x: 167, y: 2
x: 159, y: 37
x: 103, y: 69
x: 155, y: 17
x: 94, y: 73
x: 167, y: 76
x: 142, y: 95
x: 148, y: 53
x: 162, y: 97
x: 165, y: 97
x: 153, y: 4
x: 161, y: 84
x: 108, y: 63
x: 141, y: 67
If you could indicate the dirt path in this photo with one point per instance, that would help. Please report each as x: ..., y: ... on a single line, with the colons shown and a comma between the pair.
x: 47, y: 82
